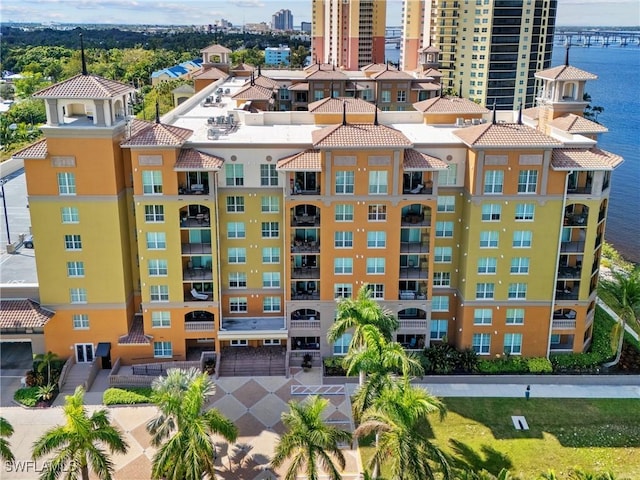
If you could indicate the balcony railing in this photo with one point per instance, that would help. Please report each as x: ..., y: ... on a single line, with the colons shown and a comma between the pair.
x: 198, y: 326
x: 197, y: 273
x: 305, y: 220
x: 306, y: 272
x: 191, y: 248
x: 572, y: 247
x: 305, y: 324
x: 569, y: 273
x: 413, y: 272
x: 563, y: 324
x: 411, y: 295
x: 413, y: 324
x: 566, y: 295
x: 253, y: 323
x: 305, y: 247
x: 577, y: 220
x: 414, y: 247
x: 416, y: 220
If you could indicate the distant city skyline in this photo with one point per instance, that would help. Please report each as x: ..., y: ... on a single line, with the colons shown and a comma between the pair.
x: 238, y: 12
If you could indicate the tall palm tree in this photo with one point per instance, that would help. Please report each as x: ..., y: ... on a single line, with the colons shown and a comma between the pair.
x: 398, y: 416
x: 80, y: 443
x: 6, y: 430
x: 182, y: 430
x: 310, y: 442
x: 625, y: 289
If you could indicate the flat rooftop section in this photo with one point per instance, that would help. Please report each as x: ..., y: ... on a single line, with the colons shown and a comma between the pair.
x: 253, y: 323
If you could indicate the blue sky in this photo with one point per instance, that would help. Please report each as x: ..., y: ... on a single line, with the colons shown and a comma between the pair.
x: 200, y: 12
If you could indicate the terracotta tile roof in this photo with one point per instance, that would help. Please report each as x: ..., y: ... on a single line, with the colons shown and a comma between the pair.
x: 359, y: 135
x: 376, y: 67
x: 136, y: 126
x: 565, y: 72
x: 300, y: 87
x: 326, y: 75
x: 415, y: 160
x: 391, y: 75
x: 576, y: 124
x: 505, y: 135
x: 263, y: 81
x: 158, y: 134
x: 253, y: 92
x: 210, y: 74
x: 432, y: 87
x: 35, y: 150
x: 429, y: 49
x: 432, y: 72
x: 533, y: 113
x: 85, y: 86
x: 191, y: 159
x: 584, y: 159
x: 449, y: 105
x: 318, y: 66
x: 183, y: 89
x: 243, y: 67
x: 23, y: 313
x: 215, y: 49
x: 309, y: 160
x: 136, y: 334
x: 335, y: 105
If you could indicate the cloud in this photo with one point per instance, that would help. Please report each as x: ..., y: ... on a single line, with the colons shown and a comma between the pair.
x: 248, y: 3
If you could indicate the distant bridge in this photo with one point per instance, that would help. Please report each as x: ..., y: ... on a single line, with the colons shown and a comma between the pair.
x: 604, y: 38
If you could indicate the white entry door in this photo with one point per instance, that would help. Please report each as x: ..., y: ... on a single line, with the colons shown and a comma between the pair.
x: 84, y: 352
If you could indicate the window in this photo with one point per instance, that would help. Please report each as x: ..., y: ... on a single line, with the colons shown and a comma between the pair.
x: 343, y: 240
x: 271, y: 255
x: 157, y: 268
x: 318, y: 95
x: 440, y: 303
x: 401, y: 96
x: 78, y: 295
x: 237, y: 280
x: 344, y: 213
x: 448, y: 176
x: 162, y: 350
x: 513, y: 343
x: 70, y: 215
x: 525, y: 211
x: 66, y: 183
x: 442, y: 254
x: 152, y: 182
x: 482, y: 316
x: 515, y: 316
x: 493, y: 181
x: 235, y: 230
x: 344, y: 182
x: 239, y: 343
x: 522, y: 239
x: 441, y: 279
x: 385, y: 96
x: 271, y: 304
x: 377, y: 213
x: 484, y: 291
x: 375, y: 265
x: 270, y: 205
x: 487, y: 265
x: 376, y: 239
x: 446, y: 203
x: 154, y: 213
x: 520, y: 265
x: 481, y: 343
x: 527, y: 181
x: 491, y: 212
x: 377, y: 290
x: 438, y: 329
x: 80, y: 321
x: 159, y: 293
x: 72, y: 242
x: 271, y: 341
x: 156, y: 240
x: 235, y: 204
x: 160, y: 319
x: 341, y: 345
x: 268, y: 175
x: 444, y: 229
x: 234, y: 174
x: 517, y: 291
x: 270, y: 229
x: 344, y: 290
x: 238, y: 304
x: 489, y: 239
x: 271, y: 279
x: 237, y: 255
x: 75, y: 269
x: 377, y: 182
x: 342, y: 266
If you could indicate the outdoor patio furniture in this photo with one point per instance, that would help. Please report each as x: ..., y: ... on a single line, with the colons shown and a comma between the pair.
x: 197, y: 295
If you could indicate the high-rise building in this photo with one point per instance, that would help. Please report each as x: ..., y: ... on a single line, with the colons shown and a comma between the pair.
x: 490, y: 49
x: 348, y: 33
x: 282, y: 20
x: 222, y: 227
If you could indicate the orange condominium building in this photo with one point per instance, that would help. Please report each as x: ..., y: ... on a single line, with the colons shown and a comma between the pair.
x: 228, y: 227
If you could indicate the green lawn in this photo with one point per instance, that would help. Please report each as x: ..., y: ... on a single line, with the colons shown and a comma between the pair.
x: 594, y: 434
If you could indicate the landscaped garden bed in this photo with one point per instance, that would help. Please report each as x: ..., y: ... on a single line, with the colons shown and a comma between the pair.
x: 127, y: 396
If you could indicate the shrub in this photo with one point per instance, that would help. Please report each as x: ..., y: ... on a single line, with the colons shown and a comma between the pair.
x: 506, y: 364
x: 539, y: 365
x: 27, y: 396
x: 333, y: 367
x: 440, y: 358
x: 467, y: 361
x: 127, y: 396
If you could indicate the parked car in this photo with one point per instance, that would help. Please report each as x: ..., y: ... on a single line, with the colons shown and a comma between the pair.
x: 28, y: 241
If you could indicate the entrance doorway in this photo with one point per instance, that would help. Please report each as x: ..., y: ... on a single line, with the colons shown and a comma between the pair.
x: 84, y: 352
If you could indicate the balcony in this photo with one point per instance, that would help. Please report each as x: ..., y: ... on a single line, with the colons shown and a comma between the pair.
x: 569, y: 273
x: 412, y: 324
x: 196, y: 248
x: 576, y: 220
x: 414, y: 247
x: 411, y: 295
x: 301, y: 246
x: 568, y: 292
x: 305, y: 291
x: 563, y: 325
x: 236, y: 324
x: 413, y: 272
x: 569, y: 247
x: 305, y: 220
x: 202, y: 326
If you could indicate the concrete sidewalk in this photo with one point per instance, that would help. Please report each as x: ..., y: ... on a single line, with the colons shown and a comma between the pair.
x: 515, y: 390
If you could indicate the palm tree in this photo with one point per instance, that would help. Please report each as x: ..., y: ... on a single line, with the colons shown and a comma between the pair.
x: 6, y: 430
x: 309, y: 442
x: 355, y: 313
x: 398, y: 416
x: 625, y: 290
x: 45, y: 360
x: 182, y: 430
x: 80, y: 443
